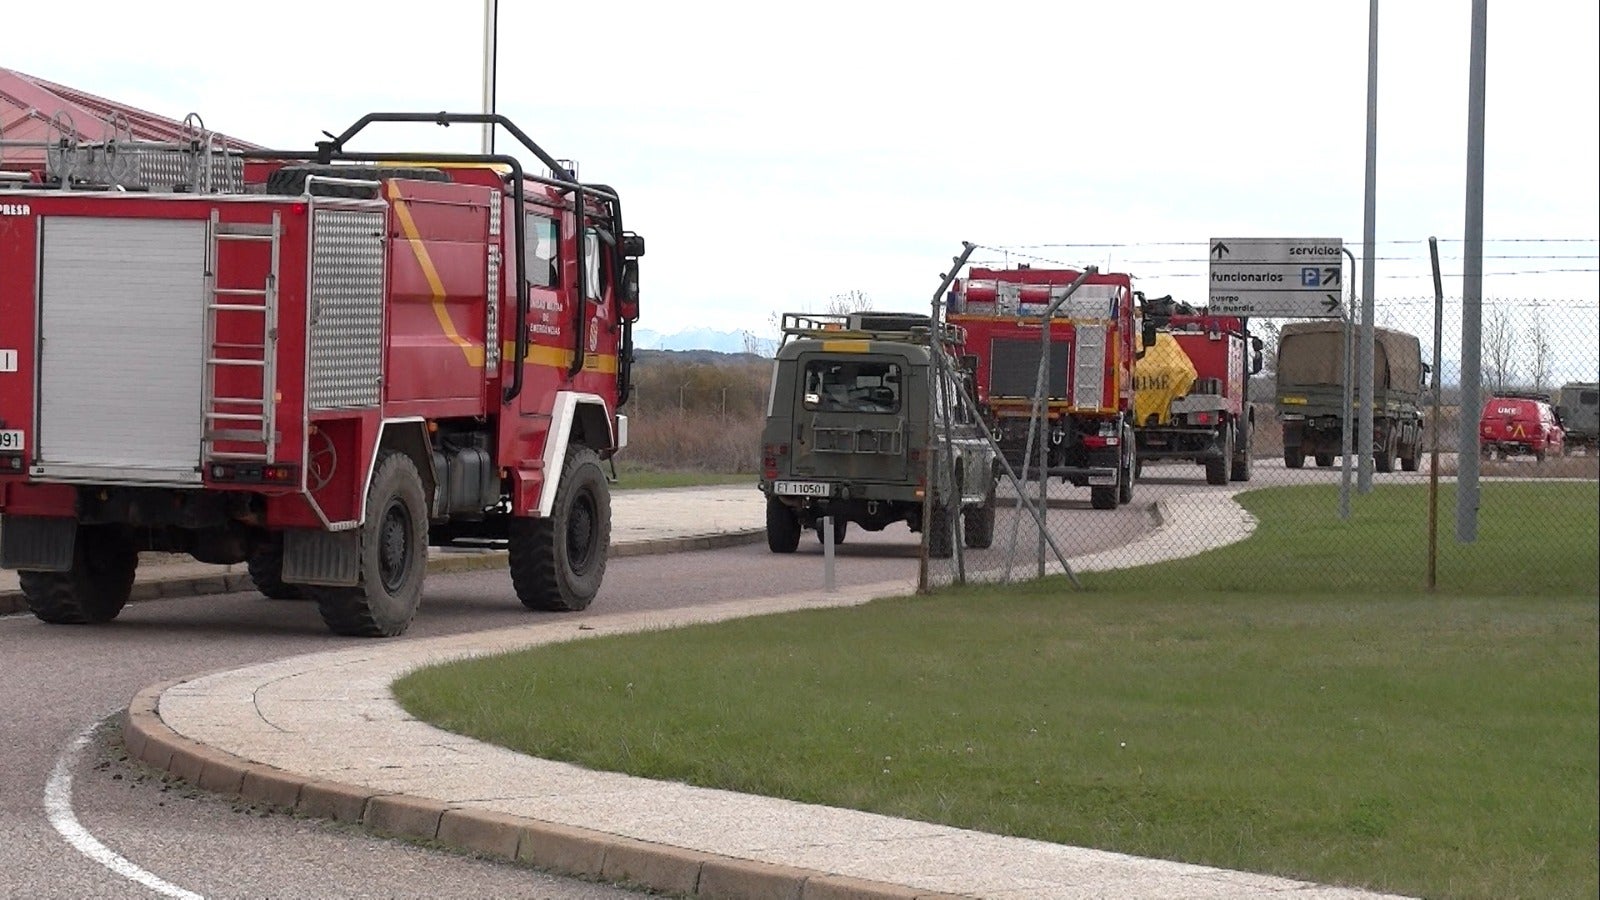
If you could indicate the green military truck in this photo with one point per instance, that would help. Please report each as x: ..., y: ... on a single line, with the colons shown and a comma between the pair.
x: 1579, y: 409
x: 1311, y: 395
x: 858, y: 410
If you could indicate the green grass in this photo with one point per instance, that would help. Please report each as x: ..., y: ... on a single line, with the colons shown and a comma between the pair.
x: 632, y: 476
x: 1533, y: 537
x: 1341, y: 729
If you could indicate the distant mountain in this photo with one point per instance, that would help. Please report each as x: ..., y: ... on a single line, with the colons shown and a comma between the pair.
x: 697, y: 339
x: 731, y: 341
x: 696, y: 357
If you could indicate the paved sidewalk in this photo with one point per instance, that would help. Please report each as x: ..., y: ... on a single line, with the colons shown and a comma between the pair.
x: 320, y: 734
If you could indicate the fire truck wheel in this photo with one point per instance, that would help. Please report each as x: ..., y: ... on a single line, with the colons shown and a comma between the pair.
x: 1219, y: 469
x: 841, y: 527
x: 94, y: 590
x: 1130, y: 468
x: 977, y: 524
x: 394, y: 557
x: 783, y: 527
x: 941, y: 541
x: 266, y: 571
x: 1241, y: 457
x: 1324, y: 460
x: 1294, y: 457
x: 557, y: 562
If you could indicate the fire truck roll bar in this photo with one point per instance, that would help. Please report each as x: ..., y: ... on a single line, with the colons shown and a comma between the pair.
x: 561, y: 178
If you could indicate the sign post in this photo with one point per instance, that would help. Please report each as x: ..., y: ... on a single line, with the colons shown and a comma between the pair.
x: 1293, y: 278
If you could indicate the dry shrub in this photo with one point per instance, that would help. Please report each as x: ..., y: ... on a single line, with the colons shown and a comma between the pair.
x: 700, y: 441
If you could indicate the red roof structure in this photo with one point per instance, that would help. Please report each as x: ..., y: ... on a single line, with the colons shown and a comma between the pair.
x: 31, y: 109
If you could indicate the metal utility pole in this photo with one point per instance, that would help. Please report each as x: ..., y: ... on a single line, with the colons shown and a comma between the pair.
x: 1472, y: 285
x: 491, y: 41
x: 1369, y: 234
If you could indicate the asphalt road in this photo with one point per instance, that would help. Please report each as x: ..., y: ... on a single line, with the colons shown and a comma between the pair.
x: 61, y: 683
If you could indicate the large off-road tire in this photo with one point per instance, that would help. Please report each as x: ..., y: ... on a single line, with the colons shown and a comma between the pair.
x: 1293, y: 457
x: 394, y: 557
x: 977, y: 524
x: 783, y: 527
x: 1410, y: 458
x: 1383, y: 455
x: 1325, y: 460
x: 557, y: 563
x: 1130, y: 468
x: 1219, y: 469
x: 1241, y: 455
x: 266, y: 571
x: 291, y: 180
x: 941, y: 537
x: 841, y: 527
x: 97, y: 586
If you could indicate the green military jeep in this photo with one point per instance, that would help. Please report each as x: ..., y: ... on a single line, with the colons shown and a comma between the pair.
x: 858, y: 411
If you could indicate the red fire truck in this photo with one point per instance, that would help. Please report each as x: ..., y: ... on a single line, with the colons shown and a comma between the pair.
x: 356, y: 356
x: 1095, y: 338
x: 1192, y: 397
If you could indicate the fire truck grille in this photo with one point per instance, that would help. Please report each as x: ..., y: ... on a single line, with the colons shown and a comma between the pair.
x: 346, y: 309
x: 1014, y: 370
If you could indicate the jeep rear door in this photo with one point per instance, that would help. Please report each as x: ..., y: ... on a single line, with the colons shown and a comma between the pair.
x: 850, y: 417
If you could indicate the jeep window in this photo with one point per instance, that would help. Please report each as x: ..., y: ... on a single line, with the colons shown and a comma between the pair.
x: 852, y: 386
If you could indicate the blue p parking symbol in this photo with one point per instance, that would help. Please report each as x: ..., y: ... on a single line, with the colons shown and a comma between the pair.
x: 1310, y: 277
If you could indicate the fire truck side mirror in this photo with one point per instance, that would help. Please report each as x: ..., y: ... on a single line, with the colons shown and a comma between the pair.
x: 629, y: 291
x: 1255, y: 356
x: 632, y: 245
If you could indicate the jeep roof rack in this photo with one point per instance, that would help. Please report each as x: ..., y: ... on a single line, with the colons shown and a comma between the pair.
x: 912, y: 328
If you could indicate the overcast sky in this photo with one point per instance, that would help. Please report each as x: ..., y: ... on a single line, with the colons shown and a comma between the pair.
x: 774, y: 155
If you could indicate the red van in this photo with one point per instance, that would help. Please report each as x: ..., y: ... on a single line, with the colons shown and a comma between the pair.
x: 1515, y: 424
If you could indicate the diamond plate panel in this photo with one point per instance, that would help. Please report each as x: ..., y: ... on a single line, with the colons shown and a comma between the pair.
x: 346, y: 309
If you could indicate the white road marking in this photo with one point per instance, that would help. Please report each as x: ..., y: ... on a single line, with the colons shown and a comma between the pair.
x: 58, y: 806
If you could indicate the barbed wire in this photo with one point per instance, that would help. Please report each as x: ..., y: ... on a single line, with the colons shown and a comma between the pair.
x: 1206, y: 243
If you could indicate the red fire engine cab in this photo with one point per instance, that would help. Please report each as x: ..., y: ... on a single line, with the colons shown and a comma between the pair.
x: 1192, y: 390
x: 1094, y: 339
x: 345, y: 359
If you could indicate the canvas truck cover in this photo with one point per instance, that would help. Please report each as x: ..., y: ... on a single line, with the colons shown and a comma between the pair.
x: 1313, y: 353
x: 1164, y: 374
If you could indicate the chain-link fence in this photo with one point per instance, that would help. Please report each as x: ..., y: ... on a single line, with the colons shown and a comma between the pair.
x: 1263, y: 458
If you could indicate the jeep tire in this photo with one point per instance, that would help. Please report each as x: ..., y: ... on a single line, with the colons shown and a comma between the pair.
x: 783, y: 527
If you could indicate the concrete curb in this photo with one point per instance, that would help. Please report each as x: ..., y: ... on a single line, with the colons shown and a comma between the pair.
x: 223, y: 582
x: 562, y: 849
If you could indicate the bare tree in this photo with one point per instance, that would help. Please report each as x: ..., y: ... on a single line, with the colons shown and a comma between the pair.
x: 756, y: 345
x: 1539, y: 345
x: 1499, y: 350
x: 1267, y: 330
x: 849, y: 302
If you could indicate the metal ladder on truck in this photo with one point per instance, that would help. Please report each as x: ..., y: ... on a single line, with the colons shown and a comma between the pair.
x: 236, y: 418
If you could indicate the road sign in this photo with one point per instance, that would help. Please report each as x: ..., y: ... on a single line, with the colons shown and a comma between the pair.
x: 1300, y: 278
